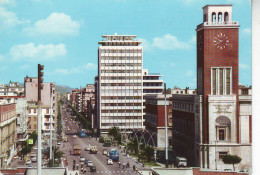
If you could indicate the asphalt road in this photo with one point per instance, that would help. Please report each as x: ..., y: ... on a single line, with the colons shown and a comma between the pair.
x: 99, y: 160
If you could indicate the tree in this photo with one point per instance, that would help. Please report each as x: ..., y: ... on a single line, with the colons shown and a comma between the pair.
x: 148, y: 152
x: 56, y: 151
x: 113, y: 132
x: 134, y: 145
x: 231, y: 159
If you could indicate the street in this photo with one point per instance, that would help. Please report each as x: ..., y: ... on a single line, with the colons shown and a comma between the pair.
x: 99, y: 160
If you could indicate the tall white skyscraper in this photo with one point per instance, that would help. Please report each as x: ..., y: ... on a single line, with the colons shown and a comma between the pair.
x: 120, y: 87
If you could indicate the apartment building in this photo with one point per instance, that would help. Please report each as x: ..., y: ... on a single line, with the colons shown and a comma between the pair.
x: 11, y: 89
x: 7, y: 132
x: 48, y: 101
x: 152, y: 83
x: 120, y: 87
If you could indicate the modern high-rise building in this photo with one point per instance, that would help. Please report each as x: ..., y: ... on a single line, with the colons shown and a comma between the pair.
x: 120, y: 87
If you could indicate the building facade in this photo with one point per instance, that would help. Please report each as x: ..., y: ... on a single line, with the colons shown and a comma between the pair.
x: 217, y: 121
x: 7, y: 132
x: 120, y: 96
x: 155, y: 119
x: 48, y: 101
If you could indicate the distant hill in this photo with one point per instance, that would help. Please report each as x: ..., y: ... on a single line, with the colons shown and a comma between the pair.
x: 63, y: 89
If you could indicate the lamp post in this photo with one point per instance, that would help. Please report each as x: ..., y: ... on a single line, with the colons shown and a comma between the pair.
x: 166, y: 129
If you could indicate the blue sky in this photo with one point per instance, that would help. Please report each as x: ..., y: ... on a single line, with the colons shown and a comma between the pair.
x: 63, y: 35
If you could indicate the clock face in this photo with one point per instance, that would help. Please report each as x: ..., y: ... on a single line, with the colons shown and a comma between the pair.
x: 221, y: 41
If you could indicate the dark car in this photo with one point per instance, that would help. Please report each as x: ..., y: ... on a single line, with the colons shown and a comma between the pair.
x: 93, y: 169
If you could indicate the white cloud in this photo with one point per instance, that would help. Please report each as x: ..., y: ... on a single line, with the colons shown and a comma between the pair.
x: 56, y: 23
x: 24, y: 67
x: 79, y: 69
x: 167, y: 42
x: 247, y: 31
x: 9, y: 19
x: 31, y: 52
x: 189, y: 73
x: 243, y: 66
x: 3, y: 2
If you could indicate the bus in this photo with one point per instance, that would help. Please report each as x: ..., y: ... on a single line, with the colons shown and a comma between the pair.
x: 107, y: 143
x: 114, y: 155
x: 82, y: 134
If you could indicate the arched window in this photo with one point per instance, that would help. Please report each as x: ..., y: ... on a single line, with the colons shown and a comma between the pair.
x: 223, y: 128
x: 213, y: 17
x: 226, y: 17
x: 219, y: 17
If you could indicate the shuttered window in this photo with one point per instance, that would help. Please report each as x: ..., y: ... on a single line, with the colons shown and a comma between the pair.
x: 221, y: 81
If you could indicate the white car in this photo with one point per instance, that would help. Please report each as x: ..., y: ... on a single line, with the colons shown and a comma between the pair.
x: 82, y: 159
x: 58, y: 143
x: 28, y: 162
x: 110, y: 162
x: 74, y: 136
x: 34, y: 159
x: 107, y: 154
x: 68, y: 129
x: 90, y: 163
x: 87, y: 148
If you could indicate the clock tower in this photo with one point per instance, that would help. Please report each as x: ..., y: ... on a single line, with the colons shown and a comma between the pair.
x: 217, y: 80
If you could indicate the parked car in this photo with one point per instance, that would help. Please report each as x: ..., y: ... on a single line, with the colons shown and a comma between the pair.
x: 93, y: 168
x: 87, y: 148
x: 74, y: 135
x: 58, y: 143
x: 34, y: 159
x: 82, y: 159
x: 90, y: 163
x: 181, y: 161
x: 109, y: 161
x: 68, y: 129
x: 28, y: 162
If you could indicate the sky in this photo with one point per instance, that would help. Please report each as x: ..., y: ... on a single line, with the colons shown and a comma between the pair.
x: 63, y: 35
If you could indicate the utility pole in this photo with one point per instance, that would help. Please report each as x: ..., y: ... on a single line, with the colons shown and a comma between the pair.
x: 166, y: 129
x: 40, y: 87
x: 51, y: 124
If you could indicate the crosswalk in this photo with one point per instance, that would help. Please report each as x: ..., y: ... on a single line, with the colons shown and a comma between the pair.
x: 116, y: 172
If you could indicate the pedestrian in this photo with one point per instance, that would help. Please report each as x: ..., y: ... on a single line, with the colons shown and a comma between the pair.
x: 85, y: 170
x: 70, y: 152
x: 134, y: 167
x: 123, y: 165
x: 119, y: 163
x: 77, y: 165
x: 73, y: 168
x: 81, y: 165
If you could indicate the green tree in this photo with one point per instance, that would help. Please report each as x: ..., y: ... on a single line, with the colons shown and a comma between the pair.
x: 113, y: 131
x: 133, y: 144
x: 231, y: 159
x: 56, y: 151
x: 148, y: 152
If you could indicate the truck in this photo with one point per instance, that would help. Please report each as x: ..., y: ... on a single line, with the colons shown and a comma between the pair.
x: 93, y: 150
x: 76, y: 150
x: 114, y: 155
x: 181, y: 161
x: 82, y: 134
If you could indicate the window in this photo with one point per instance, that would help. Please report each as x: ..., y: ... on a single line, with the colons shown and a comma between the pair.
x: 47, y: 111
x: 223, y: 129
x: 29, y: 126
x: 29, y: 111
x: 221, y: 134
x: 222, y: 154
x: 34, y: 111
x: 221, y: 81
